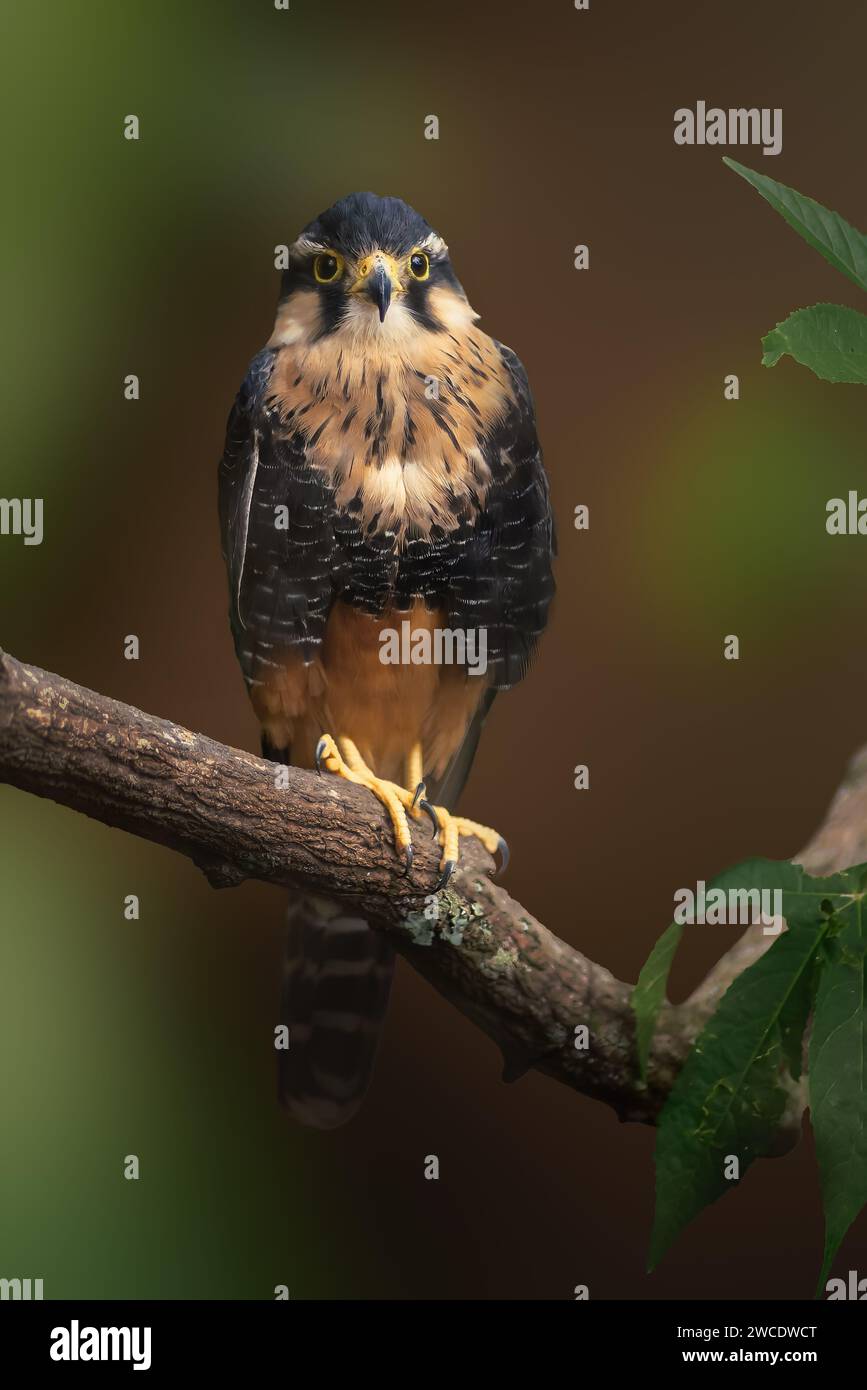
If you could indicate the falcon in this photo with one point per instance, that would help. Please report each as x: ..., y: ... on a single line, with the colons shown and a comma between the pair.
x: 381, y: 468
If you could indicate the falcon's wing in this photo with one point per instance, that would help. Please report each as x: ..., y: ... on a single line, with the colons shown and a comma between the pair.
x: 446, y: 789
x: 277, y: 523
x: 502, y: 581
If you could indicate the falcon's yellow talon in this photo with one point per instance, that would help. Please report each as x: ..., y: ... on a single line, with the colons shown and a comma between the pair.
x: 342, y: 758
x: 452, y: 827
x: 491, y: 839
x: 327, y: 754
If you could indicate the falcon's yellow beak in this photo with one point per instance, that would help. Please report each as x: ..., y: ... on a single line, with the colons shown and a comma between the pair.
x: 379, y: 279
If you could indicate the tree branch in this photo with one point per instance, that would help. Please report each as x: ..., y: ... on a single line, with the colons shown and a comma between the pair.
x: 516, y: 980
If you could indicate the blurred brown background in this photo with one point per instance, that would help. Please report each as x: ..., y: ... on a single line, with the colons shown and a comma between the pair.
x: 707, y: 518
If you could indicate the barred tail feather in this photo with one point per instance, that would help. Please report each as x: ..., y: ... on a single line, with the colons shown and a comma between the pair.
x: 336, y: 982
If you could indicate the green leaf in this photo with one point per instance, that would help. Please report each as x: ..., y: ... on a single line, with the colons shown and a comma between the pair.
x: 728, y: 1098
x: 827, y: 232
x: 793, y: 1020
x: 838, y: 1083
x: 648, y: 996
x: 828, y: 338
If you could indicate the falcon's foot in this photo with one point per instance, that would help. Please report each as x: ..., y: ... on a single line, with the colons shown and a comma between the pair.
x: 449, y: 830
x: 343, y: 759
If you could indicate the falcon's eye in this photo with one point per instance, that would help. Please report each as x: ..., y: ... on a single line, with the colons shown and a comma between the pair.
x: 419, y: 264
x: 328, y: 267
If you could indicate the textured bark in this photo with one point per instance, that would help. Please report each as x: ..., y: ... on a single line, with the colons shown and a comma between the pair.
x: 484, y: 952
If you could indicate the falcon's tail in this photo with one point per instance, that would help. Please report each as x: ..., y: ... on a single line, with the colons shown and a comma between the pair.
x: 336, y: 983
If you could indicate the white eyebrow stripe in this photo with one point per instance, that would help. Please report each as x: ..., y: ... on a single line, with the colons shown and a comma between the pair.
x: 434, y: 244
x: 305, y: 246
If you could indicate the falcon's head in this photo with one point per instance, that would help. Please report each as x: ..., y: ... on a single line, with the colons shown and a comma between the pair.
x: 368, y: 266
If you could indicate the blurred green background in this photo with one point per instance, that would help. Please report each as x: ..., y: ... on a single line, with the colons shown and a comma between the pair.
x: 707, y: 518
